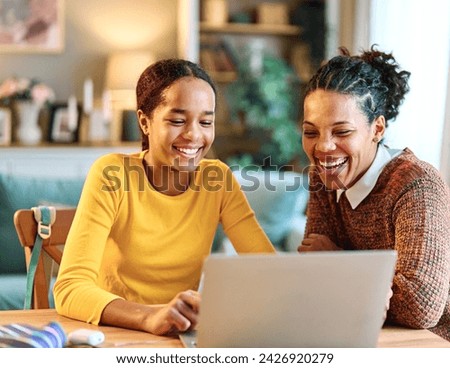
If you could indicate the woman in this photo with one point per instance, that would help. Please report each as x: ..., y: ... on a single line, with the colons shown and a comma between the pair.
x: 145, y: 222
x: 364, y: 195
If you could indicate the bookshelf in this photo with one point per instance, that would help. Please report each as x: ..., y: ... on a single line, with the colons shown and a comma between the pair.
x: 252, y: 28
x: 218, y: 35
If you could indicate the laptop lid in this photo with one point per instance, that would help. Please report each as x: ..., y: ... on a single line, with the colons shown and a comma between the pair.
x: 320, y: 299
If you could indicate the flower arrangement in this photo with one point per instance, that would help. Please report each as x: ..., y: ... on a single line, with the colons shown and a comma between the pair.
x: 25, y: 89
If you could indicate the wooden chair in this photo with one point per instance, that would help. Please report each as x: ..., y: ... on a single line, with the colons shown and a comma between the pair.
x: 52, y: 248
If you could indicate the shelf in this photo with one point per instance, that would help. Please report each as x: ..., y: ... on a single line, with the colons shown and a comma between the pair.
x: 77, y: 145
x: 235, y: 42
x: 54, y: 161
x: 222, y: 77
x: 252, y: 28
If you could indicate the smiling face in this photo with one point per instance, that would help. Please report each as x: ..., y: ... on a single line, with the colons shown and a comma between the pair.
x: 338, y: 139
x: 181, y: 129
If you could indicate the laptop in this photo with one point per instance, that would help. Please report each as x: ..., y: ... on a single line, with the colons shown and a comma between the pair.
x: 292, y: 300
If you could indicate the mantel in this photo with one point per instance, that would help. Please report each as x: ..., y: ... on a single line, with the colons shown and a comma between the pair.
x: 68, y: 161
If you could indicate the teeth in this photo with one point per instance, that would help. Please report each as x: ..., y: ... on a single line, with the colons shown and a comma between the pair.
x: 331, y: 165
x: 188, y: 151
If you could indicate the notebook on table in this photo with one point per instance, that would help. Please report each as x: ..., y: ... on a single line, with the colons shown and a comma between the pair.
x: 291, y: 300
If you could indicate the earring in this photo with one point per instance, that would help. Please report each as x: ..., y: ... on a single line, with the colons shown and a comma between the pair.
x: 375, y: 140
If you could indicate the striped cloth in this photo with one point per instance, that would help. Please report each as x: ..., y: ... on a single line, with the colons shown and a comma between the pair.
x: 18, y: 335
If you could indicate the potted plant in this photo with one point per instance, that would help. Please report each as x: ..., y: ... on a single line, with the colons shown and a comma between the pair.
x: 265, y: 98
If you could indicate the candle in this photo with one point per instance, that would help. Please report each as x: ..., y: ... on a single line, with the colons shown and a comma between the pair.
x: 72, y: 113
x: 88, y: 97
x: 106, y: 106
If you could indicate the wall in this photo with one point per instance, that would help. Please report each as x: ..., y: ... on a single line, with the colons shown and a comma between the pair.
x: 93, y: 30
x: 445, y: 158
x: 394, y: 26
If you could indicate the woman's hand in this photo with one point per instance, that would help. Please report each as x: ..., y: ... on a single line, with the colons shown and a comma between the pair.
x: 180, y: 314
x: 317, y: 242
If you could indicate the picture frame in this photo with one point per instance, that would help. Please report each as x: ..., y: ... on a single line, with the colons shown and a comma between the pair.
x: 5, y: 126
x: 59, y: 129
x: 32, y: 26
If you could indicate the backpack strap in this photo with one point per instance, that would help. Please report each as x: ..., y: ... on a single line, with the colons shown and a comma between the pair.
x: 45, y: 218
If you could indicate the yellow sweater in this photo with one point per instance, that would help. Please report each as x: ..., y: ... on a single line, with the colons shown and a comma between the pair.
x: 130, y: 241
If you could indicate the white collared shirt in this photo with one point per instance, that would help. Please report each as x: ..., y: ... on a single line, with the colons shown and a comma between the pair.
x: 366, y: 183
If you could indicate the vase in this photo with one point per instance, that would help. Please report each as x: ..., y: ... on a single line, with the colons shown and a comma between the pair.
x: 28, y: 130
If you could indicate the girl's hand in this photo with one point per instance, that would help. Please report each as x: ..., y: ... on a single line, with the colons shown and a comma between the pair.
x: 317, y: 242
x: 180, y: 314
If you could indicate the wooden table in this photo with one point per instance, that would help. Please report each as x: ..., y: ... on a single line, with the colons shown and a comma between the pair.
x: 390, y: 337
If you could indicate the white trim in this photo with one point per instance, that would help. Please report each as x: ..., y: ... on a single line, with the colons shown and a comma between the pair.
x: 333, y: 28
x: 362, y: 18
x: 445, y: 154
x: 188, y: 30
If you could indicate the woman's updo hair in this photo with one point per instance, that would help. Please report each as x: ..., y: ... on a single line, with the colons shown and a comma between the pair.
x: 373, y: 78
x: 156, y: 78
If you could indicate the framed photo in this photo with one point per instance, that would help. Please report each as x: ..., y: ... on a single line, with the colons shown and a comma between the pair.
x: 5, y: 127
x: 61, y: 128
x: 34, y: 26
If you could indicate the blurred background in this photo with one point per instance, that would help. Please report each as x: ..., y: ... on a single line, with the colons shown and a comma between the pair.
x: 260, y: 53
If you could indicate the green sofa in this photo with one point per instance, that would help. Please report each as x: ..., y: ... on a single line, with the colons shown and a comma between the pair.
x: 25, y: 192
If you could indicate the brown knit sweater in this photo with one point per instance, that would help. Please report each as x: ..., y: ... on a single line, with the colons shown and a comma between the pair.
x: 408, y: 210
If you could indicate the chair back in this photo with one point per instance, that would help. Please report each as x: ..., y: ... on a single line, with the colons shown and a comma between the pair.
x: 51, y: 253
